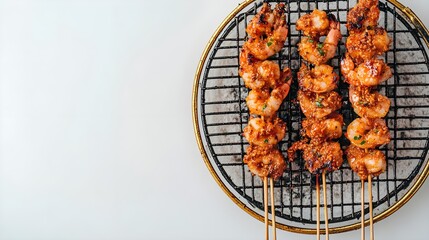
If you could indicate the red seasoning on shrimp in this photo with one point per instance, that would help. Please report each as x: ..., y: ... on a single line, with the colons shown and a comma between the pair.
x: 314, y: 25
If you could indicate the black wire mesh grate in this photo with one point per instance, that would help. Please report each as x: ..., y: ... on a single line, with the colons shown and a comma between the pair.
x: 223, y: 115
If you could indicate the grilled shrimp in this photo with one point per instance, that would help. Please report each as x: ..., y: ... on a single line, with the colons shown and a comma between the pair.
x: 363, y: 15
x: 327, y: 128
x: 265, y: 161
x: 265, y: 102
x: 258, y: 74
x: 367, y: 44
x: 264, y: 131
x: 318, y: 53
x: 314, y: 24
x: 318, y: 155
x: 315, y: 105
x: 321, y: 78
x: 267, y: 31
x: 366, y: 162
x: 369, y: 73
x: 368, y: 103
x: 368, y: 133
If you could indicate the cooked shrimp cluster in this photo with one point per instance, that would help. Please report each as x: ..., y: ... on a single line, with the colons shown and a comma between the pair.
x: 267, y: 31
x: 318, y: 105
x: 266, y: 101
x: 364, y: 71
x: 366, y: 162
x: 316, y: 97
x: 318, y: 155
x: 368, y: 103
x: 314, y: 25
x: 368, y: 132
x: 365, y: 14
x: 265, y: 161
x: 264, y: 131
x: 320, y: 79
x: 269, y: 85
x: 329, y: 127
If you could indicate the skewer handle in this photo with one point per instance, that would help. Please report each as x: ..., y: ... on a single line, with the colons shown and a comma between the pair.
x: 266, y: 206
x: 362, y: 209
x: 325, y: 203
x: 273, y: 210
x: 317, y: 208
x: 371, y: 222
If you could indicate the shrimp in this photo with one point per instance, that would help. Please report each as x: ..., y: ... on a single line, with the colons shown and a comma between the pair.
x: 368, y: 133
x: 318, y: 155
x: 366, y: 162
x: 327, y: 128
x: 368, y: 103
x: 314, y: 24
x: 315, y: 105
x: 369, y: 73
x: 321, y: 78
x: 258, y: 74
x: 264, y: 132
x: 318, y: 53
x: 367, y: 44
x: 265, y: 102
x: 363, y: 15
x: 265, y: 161
x: 267, y: 31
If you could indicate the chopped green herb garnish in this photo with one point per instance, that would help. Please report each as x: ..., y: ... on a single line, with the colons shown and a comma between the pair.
x: 310, y: 40
x: 363, y: 142
x: 376, y: 130
x: 320, y: 50
x: 266, y: 141
x: 270, y: 42
x: 265, y: 106
x: 363, y: 103
x: 357, y: 137
x: 319, y: 103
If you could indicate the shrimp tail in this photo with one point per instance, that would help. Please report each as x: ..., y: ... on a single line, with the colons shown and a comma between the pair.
x: 331, y: 17
x: 286, y: 76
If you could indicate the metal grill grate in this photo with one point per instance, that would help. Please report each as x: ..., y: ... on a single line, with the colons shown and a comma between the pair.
x: 223, y: 114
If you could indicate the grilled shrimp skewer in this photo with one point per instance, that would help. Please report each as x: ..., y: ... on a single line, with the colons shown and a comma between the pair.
x: 269, y: 85
x: 363, y: 71
x: 319, y: 102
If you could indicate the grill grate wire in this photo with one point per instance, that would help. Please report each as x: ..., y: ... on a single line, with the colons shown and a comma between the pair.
x: 223, y: 115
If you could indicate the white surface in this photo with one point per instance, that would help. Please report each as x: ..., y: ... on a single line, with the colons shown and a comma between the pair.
x: 96, y: 135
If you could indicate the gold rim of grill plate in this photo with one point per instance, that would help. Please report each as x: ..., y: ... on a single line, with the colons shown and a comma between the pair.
x: 421, y: 28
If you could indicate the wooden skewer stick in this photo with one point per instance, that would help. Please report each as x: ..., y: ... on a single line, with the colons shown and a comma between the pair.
x: 371, y: 223
x: 273, y: 211
x: 266, y: 206
x: 317, y: 208
x: 362, y: 209
x: 325, y: 205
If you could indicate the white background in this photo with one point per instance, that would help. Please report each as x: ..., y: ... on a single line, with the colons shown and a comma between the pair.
x: 96, y: 135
